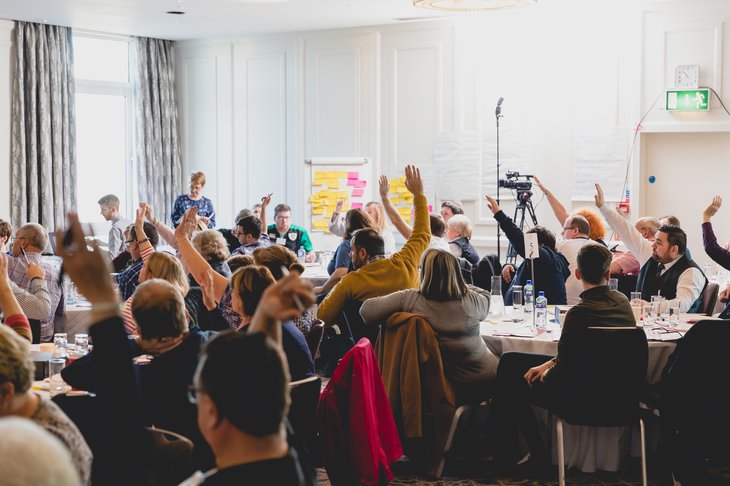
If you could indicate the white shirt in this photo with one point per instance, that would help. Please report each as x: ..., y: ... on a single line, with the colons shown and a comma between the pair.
x: 569, y: 249
x: 690, y: 282
x: 438, y: 244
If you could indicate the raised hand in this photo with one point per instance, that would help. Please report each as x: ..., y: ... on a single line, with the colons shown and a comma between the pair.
x: 188, y: 224
x: 384, y: 186
x: 540, y: 184
x: 600, y: 200
x: 89, y: 269
x: 712, y: 208
x: 414, y: 183
x: 492, y: 204
x: 148, y: 212
x: 338, y: 206
x: 266, y: 200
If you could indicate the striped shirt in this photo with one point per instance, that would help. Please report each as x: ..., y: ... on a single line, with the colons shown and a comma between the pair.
x: 19, y: 323
x: 128, y: 279
x: 16, y: 272
x: 36, y: 303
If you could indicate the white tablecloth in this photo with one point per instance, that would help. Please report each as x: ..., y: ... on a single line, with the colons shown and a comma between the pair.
x: 586, y: 448
x: 316, y: 274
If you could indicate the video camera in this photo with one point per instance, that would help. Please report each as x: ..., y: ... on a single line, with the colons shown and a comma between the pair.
x: 511, y: 181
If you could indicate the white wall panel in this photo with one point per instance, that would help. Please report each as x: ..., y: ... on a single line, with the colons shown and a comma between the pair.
x: 267, y: 158
x: 204, y: 94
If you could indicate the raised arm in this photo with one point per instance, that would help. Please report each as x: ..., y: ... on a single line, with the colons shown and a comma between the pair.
x: 631, y: 237
x: 713, y: 249
x: 421, y: 234
x: 145, y: 247
x: 336, y: 225
x: 264, y: 204
x: 511, y: 230
x: 197, y: 265
x: 14, y: 316
x: 395, y: 217
x: 558, y: 209
x: 165, y: 232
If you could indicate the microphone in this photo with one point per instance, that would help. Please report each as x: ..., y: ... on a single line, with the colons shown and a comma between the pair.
x: 498, y: 110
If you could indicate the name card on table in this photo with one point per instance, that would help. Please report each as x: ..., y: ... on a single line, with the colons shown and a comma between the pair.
x: 532, y: 248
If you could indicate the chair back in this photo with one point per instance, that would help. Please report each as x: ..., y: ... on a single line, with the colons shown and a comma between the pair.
x: 626, y: 284
x: 606, y: 377
x: 708, y: 299
x: 314, y: 337
x: 484, y: 270
x: 356, y: 325
x: 303, y: 410
x: 172, y: 457
x: 466, y: 270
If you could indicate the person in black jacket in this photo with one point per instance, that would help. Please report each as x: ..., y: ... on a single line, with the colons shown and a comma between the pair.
x: 551, y: 267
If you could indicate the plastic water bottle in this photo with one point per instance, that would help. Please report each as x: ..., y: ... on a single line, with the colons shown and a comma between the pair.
x: 529, y: 296
x: 301, y: 254
x: 541, y: 310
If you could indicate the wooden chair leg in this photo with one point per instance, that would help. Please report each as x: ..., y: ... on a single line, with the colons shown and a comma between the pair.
x: 643, y: 451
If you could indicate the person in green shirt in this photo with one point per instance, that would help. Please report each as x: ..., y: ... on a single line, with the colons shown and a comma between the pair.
x: 293, y: 237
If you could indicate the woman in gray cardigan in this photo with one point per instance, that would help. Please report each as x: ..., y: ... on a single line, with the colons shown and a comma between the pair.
x: 454, y: 310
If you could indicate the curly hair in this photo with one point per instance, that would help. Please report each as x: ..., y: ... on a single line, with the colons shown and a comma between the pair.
x: 16, y: 362
x: 211, y: 245
x: 598, y: 227
x: 6, y: 230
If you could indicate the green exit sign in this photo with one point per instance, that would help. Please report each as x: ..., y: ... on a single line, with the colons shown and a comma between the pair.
x: 688, y: 100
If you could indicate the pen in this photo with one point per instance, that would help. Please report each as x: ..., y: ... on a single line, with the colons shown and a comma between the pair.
x: 25, y: 256
x: 298, y: 302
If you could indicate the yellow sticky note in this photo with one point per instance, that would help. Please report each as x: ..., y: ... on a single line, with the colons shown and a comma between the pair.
x: 333, y: 183
x: 314, y: 199
x: 339, y: 174
x: 319, y: 224
x: 318, y: 211
x: 395, y: 200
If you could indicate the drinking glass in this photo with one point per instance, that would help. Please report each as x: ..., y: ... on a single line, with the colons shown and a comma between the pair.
x: 60, y: 345
x: 635, y: 296
x: 656, y: 306
x: 497, y: 302
x: 56, y: 385
x: 82, y: 343
x: 637, y: 309
x: 674, y: 312
x: 496, y: 288
x: 613, y: 283
x: 517, y: 309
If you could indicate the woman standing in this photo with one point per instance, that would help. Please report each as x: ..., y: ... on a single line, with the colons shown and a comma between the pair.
x: 206, y: 213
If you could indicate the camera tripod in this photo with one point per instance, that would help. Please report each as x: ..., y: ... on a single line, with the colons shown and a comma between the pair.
x: 524, y: 204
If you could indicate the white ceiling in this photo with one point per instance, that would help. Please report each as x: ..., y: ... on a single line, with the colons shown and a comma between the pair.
x: 211, y: 18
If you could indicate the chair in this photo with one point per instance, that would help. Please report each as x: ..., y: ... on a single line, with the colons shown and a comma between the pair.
x: 626, y: 284
x: 709, y: 299
x: 484, y: 270
x: 466, y: 270
x: 172, y: 456
x: 355, y: 324
x: 693, y: 403
x: 610, y: 385
x: 314, y: 337
x: 303, y: 410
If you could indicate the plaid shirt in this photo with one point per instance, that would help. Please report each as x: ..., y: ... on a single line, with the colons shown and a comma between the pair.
x: 16, y: 272
x: 248, y: 249
x: 128, y: 279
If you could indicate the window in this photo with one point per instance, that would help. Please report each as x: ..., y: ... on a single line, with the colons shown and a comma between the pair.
x: 103, y: 123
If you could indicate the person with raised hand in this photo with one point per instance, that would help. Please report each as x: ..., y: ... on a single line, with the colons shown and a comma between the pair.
x: 143, y: 239
x: 13, y: 314
x: 666, y: 268
x: 125, y: 460
x: 249, y: 436
x: 375, y: 274
x: 719, y: 254
x: 551, y: 267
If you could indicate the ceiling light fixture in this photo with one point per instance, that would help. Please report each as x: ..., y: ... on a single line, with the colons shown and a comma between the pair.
x: 471, y: 5
x: 179, y: 10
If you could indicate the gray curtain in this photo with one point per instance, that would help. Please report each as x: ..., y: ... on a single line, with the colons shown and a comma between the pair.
x: 43, y: 138
x: 158, y: 149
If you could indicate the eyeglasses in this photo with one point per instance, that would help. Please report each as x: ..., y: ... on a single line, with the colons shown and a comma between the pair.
x: 568, y: 228
x: 129, y: 242
x: 193, y: 394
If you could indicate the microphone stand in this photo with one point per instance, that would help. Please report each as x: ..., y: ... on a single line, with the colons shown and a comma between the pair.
x: 498, y: 115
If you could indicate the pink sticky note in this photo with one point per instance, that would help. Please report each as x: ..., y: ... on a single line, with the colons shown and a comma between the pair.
x: 352, y: 182
x: 356, y: 205
x: 360, y: 183
x: 430, y: 208
x: 353, y: 175
x: 357, y: 192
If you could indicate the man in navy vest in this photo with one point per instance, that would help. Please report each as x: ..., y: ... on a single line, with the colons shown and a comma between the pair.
x: 666, y: 269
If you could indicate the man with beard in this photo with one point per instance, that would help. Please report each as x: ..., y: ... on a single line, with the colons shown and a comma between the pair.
x: 666, y: 269
x: 375, y: 274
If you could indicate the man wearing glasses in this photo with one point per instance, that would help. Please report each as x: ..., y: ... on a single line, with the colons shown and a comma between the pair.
x: 294, y: 237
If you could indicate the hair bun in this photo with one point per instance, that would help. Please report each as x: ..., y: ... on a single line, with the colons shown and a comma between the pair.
x: 296, y: 267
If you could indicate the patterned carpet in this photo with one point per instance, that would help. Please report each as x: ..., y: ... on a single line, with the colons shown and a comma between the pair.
x: 485, y: 474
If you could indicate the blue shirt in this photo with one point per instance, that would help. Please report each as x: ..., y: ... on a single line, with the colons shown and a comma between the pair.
x: 183, y: 202
x: 129, y: 279
x: 341, y: 258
